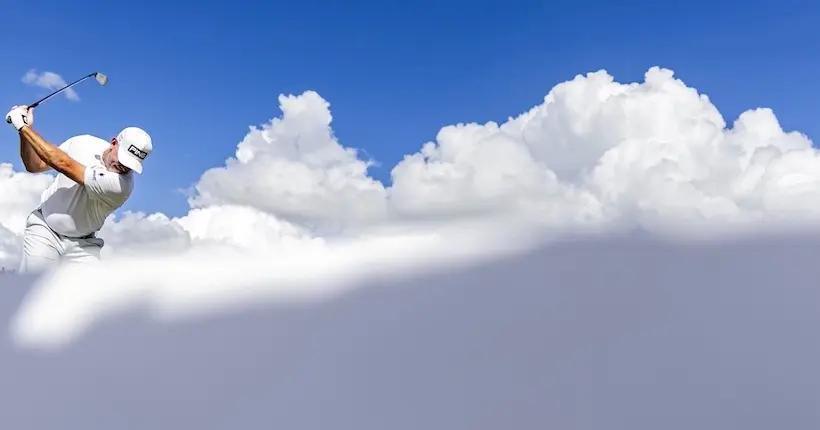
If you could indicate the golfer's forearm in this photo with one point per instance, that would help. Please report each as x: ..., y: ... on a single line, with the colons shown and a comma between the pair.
x: 46, y: 152
x: 31, y: 161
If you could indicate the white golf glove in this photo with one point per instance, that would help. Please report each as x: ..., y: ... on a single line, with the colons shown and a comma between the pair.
x: 20, y: 116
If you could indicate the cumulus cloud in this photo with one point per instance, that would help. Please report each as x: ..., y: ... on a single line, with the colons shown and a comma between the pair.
x: 595, y: 153
x: 601, y: 151
x: 295, y: 168
x: 50, y: 81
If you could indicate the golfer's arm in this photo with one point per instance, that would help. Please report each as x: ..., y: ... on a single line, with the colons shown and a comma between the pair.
x: 53, y: 156
x: 31, y: 161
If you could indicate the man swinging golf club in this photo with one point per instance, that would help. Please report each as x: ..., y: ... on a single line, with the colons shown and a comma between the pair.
x: 94, y: 178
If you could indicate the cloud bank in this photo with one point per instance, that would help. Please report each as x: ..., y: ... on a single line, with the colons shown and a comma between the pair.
x: 595, y: 154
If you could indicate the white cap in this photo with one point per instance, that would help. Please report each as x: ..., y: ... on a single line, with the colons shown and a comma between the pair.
x: 134, y: 146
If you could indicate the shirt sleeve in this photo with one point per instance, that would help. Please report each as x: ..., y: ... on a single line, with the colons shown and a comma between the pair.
x: 105, y: 185
x: 66, y: 145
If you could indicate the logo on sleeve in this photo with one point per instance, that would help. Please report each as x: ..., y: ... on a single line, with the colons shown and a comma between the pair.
x: 97, y: 173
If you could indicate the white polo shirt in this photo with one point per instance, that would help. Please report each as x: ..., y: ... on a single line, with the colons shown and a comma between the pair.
x: 76, y: 210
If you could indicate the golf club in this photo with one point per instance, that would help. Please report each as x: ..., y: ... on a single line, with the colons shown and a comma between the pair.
x: 101, y: 78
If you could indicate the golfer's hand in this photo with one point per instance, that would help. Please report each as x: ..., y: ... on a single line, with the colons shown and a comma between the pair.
x: 20, y: 116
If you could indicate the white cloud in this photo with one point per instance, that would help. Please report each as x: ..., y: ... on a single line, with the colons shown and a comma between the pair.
x: 19, y: 195
x: 295, y: 168
x: 50, y: 81
x: 596, y: 153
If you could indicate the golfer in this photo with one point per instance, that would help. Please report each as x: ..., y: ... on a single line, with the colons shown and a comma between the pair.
x: 94, y: 178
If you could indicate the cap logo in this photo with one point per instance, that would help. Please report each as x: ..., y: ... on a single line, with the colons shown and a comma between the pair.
x: 137, y: 152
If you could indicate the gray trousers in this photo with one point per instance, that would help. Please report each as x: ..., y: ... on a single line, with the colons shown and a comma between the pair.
x: 43, y: 248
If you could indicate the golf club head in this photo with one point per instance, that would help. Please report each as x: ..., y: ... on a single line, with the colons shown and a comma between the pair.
x: 101, y: 78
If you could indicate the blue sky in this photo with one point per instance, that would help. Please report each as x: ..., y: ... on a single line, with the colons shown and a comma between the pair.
x: 197, y: 76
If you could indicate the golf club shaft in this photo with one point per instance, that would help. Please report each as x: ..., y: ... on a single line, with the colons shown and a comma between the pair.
x: 101, y: 78
x: 35, y: 104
